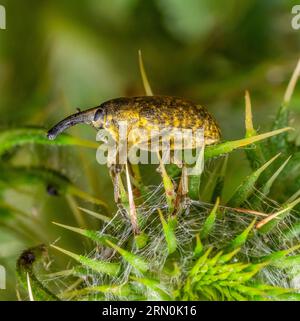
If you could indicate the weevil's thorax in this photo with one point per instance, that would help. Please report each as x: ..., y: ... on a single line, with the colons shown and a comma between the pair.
x: 117, y: 112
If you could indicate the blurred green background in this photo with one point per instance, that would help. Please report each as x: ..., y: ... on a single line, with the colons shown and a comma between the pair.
x: 56, y: 56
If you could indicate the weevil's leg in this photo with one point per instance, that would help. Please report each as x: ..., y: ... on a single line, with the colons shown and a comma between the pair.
x: 199, y: 165
x: 181, y: 191
x: 166, y: 157
x: 115, y: 174
x: 176, y: 159
x: 158, y: 169
x: 135, y: 175
x: 168, y: 184
x: 184, y: 180
x: 132, y: 208
x: 124, y: 210
x: 116, y: 183
x: 114, y: 179
x: 115, y: 169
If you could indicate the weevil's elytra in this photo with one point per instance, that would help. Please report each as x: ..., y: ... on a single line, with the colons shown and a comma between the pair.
x: 147, y: 113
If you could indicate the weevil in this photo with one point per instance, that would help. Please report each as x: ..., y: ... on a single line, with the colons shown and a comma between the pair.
x: 143, y: 115
x: 148, y: 113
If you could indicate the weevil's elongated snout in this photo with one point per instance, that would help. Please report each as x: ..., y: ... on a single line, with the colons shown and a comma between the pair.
x: 86, y: 117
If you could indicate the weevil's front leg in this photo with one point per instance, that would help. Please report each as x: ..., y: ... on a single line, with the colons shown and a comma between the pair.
x: 115, y: 172
x: 132, y: 207
x: 115, y: 169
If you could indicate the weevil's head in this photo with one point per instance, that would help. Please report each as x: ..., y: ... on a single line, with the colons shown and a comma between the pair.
x: 92, y: 116
x: 99, y: 116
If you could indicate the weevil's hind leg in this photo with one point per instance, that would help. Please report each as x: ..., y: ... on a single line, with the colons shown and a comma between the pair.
x: 184, y: 180
x: 176, y: 159
x: 182, y: 190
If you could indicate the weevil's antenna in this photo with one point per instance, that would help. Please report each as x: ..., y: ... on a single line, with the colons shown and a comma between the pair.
x: 86, y: 117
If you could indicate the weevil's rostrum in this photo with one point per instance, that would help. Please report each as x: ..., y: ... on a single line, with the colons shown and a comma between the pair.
x: 144, y: 114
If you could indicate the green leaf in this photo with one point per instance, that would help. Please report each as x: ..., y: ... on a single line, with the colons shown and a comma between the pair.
x: 155, y: 287
x: 118, y: 290
x: 11, y: 138
x: 291, y: 262
x: 241, y: 239
x: 293, y: 232
x: 199, y: 247
x: 254, y: 153
x: 227, y: 147
x: 247, y: 187
x: 289, y: 297
x: 134, y: 260
x: 141, y: 240
x: 99, y: 216
x: 15, y: 176
x: 145, y: 80
x: 228, y: 256
x: 98, y: 266
x: 202, y: 259
x: 93, y: 235
x: 194, y: 185
x: 265, y: 189
x: 278, y: 255
x: 219, y: 185
x: 267, y: 224
x: 168, y: 186
x: 281, y: 143
x: 169, y: 231
x: 210, y: 221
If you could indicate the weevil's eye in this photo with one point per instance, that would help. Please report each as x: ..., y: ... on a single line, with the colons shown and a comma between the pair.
x: 98, y: 114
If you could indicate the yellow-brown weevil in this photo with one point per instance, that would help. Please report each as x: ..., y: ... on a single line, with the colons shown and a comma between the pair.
x: 144, y: 112
x: 144, y: 115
